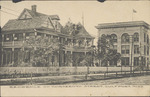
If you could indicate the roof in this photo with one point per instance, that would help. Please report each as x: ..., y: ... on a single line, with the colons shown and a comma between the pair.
x: 122, y: 24
x: 31, y: 23
x: 22, y: 24
x: 36, y: 14
x: 83, y: 33
x: 80, y: 33
x: 36, y: 22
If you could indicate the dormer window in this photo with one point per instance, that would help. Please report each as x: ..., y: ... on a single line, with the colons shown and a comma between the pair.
x: 25, y: 15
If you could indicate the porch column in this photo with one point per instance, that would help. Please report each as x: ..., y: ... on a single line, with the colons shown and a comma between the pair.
x: 85, y: 53
x: 92, y: 41
x: 2, y: 50
x: 13, y: 40
x: 59, y: 39
x: 52, y: 36
x: 10, y: 57
x: 2, y: 39
x: 65, y: 39
x: 35, y: 33
x: 13, y: 56
x: 58, y: 59
x: 24, y: 37
x: 23, y: 55
x: 2, y: 57
x: 6, y: 57
x: 65, y: 58
x: 72, y: 44
x: 71, y: 59
x: 85, y: 42
x: 44, y: 35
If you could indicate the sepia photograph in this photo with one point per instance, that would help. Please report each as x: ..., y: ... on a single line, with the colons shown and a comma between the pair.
x: 75, y: 43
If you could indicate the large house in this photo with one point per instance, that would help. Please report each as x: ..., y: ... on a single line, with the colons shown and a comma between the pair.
x: 131, y: 40
x: 14, y: 33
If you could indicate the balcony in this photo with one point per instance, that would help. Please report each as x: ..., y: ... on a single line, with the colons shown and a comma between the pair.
x: 77, y: 48
x: 11, y: 43
x: 8, y: 44
x: 18, y: 43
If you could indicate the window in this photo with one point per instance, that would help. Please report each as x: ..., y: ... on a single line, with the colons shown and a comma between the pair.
x: 8, y: 37
x: 144, y: 61
x: 27, y: 56
x: 144, y: 37
x: 115, y: 48
x: 125, y: 61
x: 147, y: 50
x: 0, y: 37
x: 144, y: 50
x: 136, y: 49
x: 125, y: 38
x: 18, y: 37
x: 147, y: 61
x: 125, y: 49
x: 147, y: 39
x: 114, y: 37
x: 81, y: 43
x: 136, y: 37
x: 136, y: 61
x: 141, y: 60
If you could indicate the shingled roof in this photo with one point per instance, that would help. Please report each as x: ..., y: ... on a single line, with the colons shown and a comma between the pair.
x: 16, y: 24
x: 36, y: 21
x: 82, y: 32
x: 36, y: 14
x: 30, y: 23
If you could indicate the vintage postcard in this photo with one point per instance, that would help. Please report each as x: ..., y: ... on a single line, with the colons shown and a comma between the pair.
x: 75, y: 47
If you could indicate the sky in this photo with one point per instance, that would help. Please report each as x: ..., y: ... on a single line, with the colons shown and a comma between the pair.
x: 93, y: 12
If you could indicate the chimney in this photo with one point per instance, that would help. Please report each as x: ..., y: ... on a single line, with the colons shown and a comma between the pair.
x: 33, y: 8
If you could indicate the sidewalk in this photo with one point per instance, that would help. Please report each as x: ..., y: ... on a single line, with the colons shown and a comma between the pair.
x: 70, y: 78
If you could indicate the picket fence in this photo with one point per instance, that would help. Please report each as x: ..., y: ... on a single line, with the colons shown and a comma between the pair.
x: 60, y: 70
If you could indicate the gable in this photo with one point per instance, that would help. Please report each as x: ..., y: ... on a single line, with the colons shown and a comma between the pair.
x: 47, y: 23
x: 25, y: 15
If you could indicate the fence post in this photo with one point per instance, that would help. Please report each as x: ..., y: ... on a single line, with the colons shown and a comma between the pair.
x: 31, y: 78
x: 121, y: 69
x: 125, y: 73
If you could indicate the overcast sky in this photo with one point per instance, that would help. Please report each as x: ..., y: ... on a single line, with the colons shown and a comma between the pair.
x: 94, y: 12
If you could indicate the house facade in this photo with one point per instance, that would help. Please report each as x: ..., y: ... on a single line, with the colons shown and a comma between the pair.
x: 74, y: 37
x: 131, y: 40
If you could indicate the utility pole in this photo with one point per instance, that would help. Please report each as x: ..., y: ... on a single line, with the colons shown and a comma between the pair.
x: 131, y: 64
x: 82, y: 18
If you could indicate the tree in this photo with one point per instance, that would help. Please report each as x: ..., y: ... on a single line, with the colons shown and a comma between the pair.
x: 105, y: 51
x: 78, y: 58
x: 41, y: 48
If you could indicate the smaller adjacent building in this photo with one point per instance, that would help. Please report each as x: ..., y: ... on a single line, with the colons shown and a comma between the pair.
x: 131, y: 40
